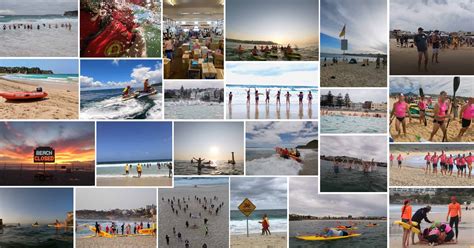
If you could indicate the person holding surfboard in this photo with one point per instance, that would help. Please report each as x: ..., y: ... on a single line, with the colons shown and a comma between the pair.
x: 400, y: 109
x: 406, y: 218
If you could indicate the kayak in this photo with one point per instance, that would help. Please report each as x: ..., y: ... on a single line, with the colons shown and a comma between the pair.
x: 145, y: 94
x: 293, y: 56
x: 132, y: 96
x: 279, y: 150
x: 102, y: 233
x: 408, y: 226
x: 23, y: 95
x: 321, y: 238
x: 148, y: 231
x: 257, y: 57
x: 272, y: 55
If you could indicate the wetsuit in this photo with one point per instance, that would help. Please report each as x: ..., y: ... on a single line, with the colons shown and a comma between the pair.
x: 420, y: 215
x: 453, y: 210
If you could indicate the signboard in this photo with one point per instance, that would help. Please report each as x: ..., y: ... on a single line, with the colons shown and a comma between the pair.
x: 344, y: 44
x: 247, y: 207
x: 44, y: 155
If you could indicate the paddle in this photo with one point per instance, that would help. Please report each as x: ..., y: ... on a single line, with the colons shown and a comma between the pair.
x: 456, y: 83
x: 422, y: 94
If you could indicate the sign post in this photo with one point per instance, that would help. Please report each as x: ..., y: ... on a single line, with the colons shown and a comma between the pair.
x: 44, y: 155
x: 246, y: 208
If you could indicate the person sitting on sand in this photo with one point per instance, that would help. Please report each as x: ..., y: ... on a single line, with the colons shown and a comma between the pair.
x: 439, y: 115
x: 400, y: 109
x: 418, y: 217
x: 467, y: 114
x: 422, y: 47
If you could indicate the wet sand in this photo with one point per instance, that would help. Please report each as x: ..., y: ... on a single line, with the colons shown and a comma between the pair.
x: 134, y: 181
x: 27, y: 178
x: 276, y: 240
x: 411, y: 176
x: 218, y: 225
x: 404, y: 61
x: 62, y: 101
x: 415, y: 128
x: 119, y: 242
x: 353, y: 75
x: 466, y: 239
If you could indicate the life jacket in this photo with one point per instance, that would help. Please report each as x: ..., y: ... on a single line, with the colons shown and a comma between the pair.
x: 115, y: 39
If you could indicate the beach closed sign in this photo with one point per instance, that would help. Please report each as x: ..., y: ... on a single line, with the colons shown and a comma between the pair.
x: 43, y: 155
x: 247, y: 207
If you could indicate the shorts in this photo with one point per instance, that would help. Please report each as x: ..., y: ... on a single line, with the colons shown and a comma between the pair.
x: 451, y: 167
x: 462, y: 167
x: 435, y: 165
x: 465, y: 123
x: 400, y: 119
x: 449, y: 236
x: 443, y: 166
x: 439, y: 122
x: 422, y: 51
x: 435, y: 50
x: 432, y: 238
x: 399, y: 162
x: 428, y: 163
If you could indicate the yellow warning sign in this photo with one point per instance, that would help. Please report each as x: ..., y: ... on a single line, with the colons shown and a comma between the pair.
x: 247, y: 207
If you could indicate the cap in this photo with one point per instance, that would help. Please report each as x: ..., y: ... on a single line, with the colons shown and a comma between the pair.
x: 420, y: 28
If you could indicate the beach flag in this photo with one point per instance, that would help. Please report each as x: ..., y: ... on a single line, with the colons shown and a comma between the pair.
x: 343, y: 31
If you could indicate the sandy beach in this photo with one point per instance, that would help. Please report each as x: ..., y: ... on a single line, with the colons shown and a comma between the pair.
x: 218, y: 224
x: 415, y: 128
x: 409, y: 176
x: 119, y: 242
x: 276, y: 240
x: 466, y: 239
x: 62, y: 101
x: 134, y: 181
x: 404, y: 61
x: 61, y: 177
x: 352, y: 75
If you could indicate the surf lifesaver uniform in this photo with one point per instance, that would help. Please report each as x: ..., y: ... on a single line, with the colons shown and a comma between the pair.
x: 88, y: 27
x: 115, y: 38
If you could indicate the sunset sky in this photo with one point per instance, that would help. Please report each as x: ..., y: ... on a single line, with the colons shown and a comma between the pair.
x: 72, y: 141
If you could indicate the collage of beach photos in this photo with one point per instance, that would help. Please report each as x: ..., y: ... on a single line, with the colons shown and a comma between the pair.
x: 236, y: 123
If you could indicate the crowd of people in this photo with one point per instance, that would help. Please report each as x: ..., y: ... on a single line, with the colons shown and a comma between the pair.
x: 257, y: 94
x: 125, y: 229
x: 445, y: 163
x: 174, y: 39
x: 139, y: 168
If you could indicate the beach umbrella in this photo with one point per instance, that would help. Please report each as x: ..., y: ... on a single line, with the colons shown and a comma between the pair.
x: 456, y: 83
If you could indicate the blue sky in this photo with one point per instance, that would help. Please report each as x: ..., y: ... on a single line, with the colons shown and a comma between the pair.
x: 281, y: 73
x: 129, y: 141
x: 288, y: 134
x: 280, y: 21
x: 27, y: 206
x: 366, y: 25
x: 58, y: 66
x: 100, y: 74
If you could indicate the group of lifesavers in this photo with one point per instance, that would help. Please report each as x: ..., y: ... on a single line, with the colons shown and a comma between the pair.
x: 277, y: 97
x: 438, y: 232
x: 128, y: 91
x: 441, y: 114
x: 288, y: 50
x: 286, y: 153
x: 446, y: 163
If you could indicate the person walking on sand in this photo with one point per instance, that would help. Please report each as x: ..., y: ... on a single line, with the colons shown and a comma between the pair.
x: 391, y: 159
x: 436, y: 44
x: 406, y: 218
x: 434, y: 163
x: 265, y: 225
x: 399, y: 159
x: 422, y: 48
x: 400, y: 109
x: 467, y: 114
x: 469, y: 164
x: 439, y: 114
x: 167, y: 239
x: 450, y: 164
x: 454, y: 215
x: 428, y: 163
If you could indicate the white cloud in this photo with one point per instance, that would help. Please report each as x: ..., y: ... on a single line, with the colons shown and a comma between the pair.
x: 139, y: 75
x: 431, y: 85
x: 88, y: 82
x: 360, y: 95
x: 6, y: 12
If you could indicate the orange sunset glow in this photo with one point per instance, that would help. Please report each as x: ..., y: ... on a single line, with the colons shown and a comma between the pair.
x: 73, y: 142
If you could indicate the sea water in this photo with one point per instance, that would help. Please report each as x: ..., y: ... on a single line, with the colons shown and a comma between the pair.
x: 239, y: 109
x: 352, y: 180
x: 308, y: 53
x: 353, y: 124
x: 359, y: 58
x: 371, y: 236
x: 55, y: 78
x: 28, y: 236
x: 265, y: 161
x: 221, y: 167
x: 193, y: 109
x: 277, y: 218
x: 420, y: 162
x: 108, y: 104
x: 118, y: 169
x: 46, y: 42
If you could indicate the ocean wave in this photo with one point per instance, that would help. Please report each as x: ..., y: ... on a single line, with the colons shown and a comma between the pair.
x: 240, y: 226
x: 191, y: 103
x: 132, y: 176
x: 273, y: 165
x: 133, y: 163
x: 40, y: 21
x: 115, y: 108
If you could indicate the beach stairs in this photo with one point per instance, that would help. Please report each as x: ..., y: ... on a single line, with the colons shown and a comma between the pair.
x: 232, y: 161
